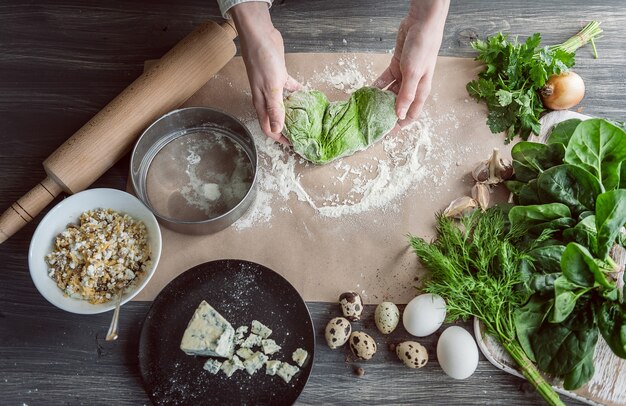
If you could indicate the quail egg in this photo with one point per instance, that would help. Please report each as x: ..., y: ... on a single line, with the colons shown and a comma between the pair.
x: 337, y: 332
x: 387, y: 317
x: 412, y: 353
x: 362, y: 345
x: 351, y: 305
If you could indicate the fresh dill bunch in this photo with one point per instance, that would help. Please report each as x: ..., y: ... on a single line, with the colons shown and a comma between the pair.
x: 473, y: 265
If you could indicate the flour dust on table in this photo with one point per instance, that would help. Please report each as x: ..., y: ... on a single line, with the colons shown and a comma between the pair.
x: 373, y: 180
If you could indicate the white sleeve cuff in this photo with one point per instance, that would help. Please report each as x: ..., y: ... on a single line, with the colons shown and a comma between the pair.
x: 226, y: 5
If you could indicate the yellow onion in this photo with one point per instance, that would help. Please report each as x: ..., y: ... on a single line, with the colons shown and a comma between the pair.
x: 563, y: 91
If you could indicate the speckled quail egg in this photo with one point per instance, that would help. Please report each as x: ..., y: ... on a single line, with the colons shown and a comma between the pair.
x: 412, y: 353
x: 386, y: 316
x: 337, y: 332
x: 362, y: 345
x: 351, y: 305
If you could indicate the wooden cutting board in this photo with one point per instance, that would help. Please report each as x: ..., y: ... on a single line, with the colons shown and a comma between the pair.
x: 367, y: 250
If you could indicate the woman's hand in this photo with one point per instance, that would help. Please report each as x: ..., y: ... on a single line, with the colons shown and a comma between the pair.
x: 412, y: 67
x: 264, y: 56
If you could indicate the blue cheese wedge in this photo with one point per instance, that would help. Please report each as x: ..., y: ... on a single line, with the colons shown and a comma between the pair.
x: 271, y: 367
x: 269, y: 346
x: 255, y: 362
x: 208, y: 334
x: 229, y: 367
x: 212, y: 365
x: 251, y: 341
x: 245, y: 353
x: 261, y: 329
x: 299, y: 356
x: 287, y: 371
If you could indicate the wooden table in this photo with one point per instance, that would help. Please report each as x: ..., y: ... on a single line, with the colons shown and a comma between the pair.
x: 61, y: 61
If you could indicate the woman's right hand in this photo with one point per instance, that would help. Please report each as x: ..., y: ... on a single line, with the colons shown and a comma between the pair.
x: 264, y: 56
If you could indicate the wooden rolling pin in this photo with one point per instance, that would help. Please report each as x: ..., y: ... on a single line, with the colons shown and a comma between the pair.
x: 101, y: 142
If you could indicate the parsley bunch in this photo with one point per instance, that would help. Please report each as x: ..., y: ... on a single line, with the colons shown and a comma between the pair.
x: 515, y: 72
x: 510, y: 83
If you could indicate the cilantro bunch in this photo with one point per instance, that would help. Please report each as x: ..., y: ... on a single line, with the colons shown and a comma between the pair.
x: 510, y: 83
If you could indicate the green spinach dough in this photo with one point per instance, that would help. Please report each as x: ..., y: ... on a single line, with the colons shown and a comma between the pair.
x: 321, y: 131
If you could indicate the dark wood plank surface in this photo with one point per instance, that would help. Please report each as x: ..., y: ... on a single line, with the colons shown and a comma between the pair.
x: 61, y: 61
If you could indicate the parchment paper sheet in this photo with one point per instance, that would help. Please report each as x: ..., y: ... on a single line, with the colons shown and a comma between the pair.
x: 323, y: 257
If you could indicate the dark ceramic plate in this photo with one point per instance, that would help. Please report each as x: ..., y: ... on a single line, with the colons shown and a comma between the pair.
x: 240, y: 291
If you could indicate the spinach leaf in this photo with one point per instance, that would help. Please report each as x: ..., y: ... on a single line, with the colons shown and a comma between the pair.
x: 561, y: 347
x: 585, y: 214
x: 584, y: 233
x: 528, y: 319
x: 542, y: 283
x: 570, y: 185
x: 566, y: 293
x: 529, y: 194
x: 581, y: 268
x: 532, y: 158
x: 514, y: 186
x: 524, y: 172
x: 547, y: 259
x: 611, y: 318
x: 533, y: 215
x: 599, y: 147
x: 562, y: 132
x: 581, y: 374
x: 610, y: 218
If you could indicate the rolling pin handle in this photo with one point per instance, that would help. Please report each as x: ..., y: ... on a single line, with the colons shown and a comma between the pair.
x: 27, y: 207
x: 229, y: 27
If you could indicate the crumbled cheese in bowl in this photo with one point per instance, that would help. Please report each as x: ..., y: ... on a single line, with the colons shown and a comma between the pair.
x: 101, y: 255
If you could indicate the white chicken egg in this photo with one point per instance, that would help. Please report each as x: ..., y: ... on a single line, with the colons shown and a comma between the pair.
x: 424, y: 314
x: 457, y: 352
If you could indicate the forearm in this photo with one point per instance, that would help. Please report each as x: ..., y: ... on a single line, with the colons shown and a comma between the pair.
x: 429, y: 14
x: 252, y: 20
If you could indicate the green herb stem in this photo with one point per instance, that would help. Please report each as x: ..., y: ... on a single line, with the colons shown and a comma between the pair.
x: 531, y: 373
x: 588, y: 34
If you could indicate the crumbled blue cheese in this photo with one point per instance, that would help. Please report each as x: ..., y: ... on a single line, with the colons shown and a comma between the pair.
x: 255, y: 362
x: 240, y: 333
x: 269, y: 346
x: 251, y: 341
x: 212, y: 365
x: 287, y: 371
x: 260, y: 329
x: 245, y: 353
x: 208, y: 334
x: 229, y: 367
x: 271, y: 367
x: 299, y: 356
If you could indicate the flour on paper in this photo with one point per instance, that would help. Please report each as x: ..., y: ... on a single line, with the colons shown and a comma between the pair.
x: 377, y: 180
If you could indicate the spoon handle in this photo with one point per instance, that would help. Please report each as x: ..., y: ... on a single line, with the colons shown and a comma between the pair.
x: 112, y: 333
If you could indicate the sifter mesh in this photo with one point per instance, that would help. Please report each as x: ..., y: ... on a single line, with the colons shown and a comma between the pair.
x: 200, y: 174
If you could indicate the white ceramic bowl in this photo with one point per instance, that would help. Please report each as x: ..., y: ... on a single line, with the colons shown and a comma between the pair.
x: 68, y: 211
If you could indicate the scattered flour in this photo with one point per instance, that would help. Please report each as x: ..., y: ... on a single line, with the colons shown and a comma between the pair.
x: 373, y: 184
x: 372, y: 180
x: 346, y: 75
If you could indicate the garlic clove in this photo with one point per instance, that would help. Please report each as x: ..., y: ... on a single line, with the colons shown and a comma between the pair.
x: 494, y: 170
x: 481, y: 172
x: 481, y: 194
x: 505, y: 170
x: 459, y: 207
